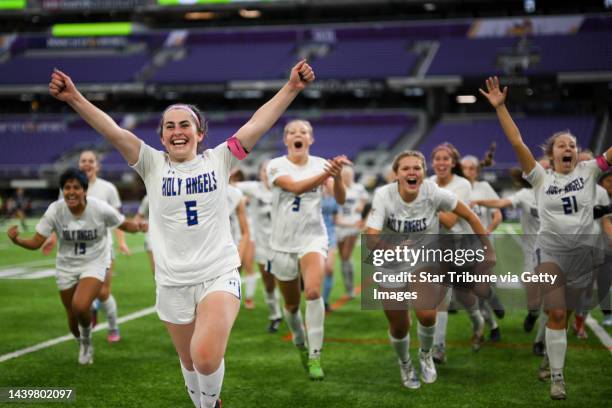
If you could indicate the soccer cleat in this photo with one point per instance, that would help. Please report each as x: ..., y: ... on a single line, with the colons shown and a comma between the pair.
x: 249, y: 304
x: 328, y: 308
x: 607, y: 320
x: 557, y: 387
x: 439, y: 353
x: 315, y: 372
x: 113, y: 336
x: 477, y: 341
x: 304, y: 356
x: 581, y: 333
x: 85, y: 352
x: 409, y: 375
x: 529, y: 322
x: 496, y: 305
x: 495, y: 335
x: 274, y: 325
x: 544, y: 372
x: 429, y: 374
x: 539, y: 349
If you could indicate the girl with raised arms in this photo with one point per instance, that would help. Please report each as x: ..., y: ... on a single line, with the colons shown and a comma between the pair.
x: 196, y: 261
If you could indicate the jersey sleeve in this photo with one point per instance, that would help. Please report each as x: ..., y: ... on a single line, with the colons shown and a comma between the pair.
x: 536, y: 177
x: 146, y: 160
x: 376, y: 218
x: 115, y: 200
x: 276, y: 169
x: 226, y: 159
x: 112, y: 217
x: 45, y: 225
x: 445, y: 200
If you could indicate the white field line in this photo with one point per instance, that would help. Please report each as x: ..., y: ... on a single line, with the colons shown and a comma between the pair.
x: 68, y: 337
x: 599, y: 331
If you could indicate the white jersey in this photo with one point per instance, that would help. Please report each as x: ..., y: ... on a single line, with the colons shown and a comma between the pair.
x: 143, y: 208
x: 296, y: 220
x: 525, y: 200
x: 463, y: 190
x: 600, y: 199
x: 391, y: 214
x: 261, y: 204
x: 481, y: 190
x: 188, y: 215
x: 350, y: 211
x: 234, y: 195
x: 82, y: 240
x: 565, y: 204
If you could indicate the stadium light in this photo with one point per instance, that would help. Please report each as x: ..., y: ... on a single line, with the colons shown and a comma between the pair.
x: 530, y: 6
x: 466, y: 99
x: 200, y: 15
x: 244, y: 13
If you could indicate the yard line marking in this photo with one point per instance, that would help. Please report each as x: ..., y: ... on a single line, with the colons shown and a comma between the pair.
x: 68, y: 337
x: 599, y: 331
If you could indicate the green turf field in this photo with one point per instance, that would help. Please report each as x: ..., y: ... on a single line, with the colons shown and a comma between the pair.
x: 263, y: 370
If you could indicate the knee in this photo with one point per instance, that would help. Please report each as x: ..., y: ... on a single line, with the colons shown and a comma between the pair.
x: 80, y: 308
x: 104, y: 293
x: 427, y: 318
x: 398, y: 331
x: 557, y: 316
x: 293, y: 309
x: 312, y: 293
x: 204, y: 360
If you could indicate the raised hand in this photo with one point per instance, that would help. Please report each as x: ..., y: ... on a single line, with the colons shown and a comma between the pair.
x: 301, y: 75
x: 13, y: 233
x: 61, y: 87
x: 494, y: 95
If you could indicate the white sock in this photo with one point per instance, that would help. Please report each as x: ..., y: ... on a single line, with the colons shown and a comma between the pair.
x: 250, y: 284
x: 440, y: 332
x: 110, y: 309
x: 487, y: 314
x: 541, y: 327
x: 315, y: 318
x: 556, y: 346
x: 210, y: 386
x: 426, y: 336
x: 85, y: 334
x: 192, y: 385
x: 294, y: 321
x: 401, y: 347
x: 477, y: 321
x: 273, y: 305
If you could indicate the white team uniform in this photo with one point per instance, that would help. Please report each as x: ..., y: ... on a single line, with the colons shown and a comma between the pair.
x: 297, y: 221
x: 234, y: 195
x: 463, y: 190
x: 83, y: 249
x: 350, y: 211
x: 190, y: 229
x: 143, y: 210
x: 261, y: 204
x: 530, y: 223
x: 107, y: 192
x: 390, y: 214
x: 601, y: 199
x: 568, y: 235
x: 481, y: 190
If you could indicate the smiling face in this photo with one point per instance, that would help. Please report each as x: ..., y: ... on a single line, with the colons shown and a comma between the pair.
x: 470, y: 169
x: 180, y: 135
x: 564, y: 153
x: 410, y: 174
x: 298, y: 138
x: 74, y: 194
x: 443, y: 163
x: 88, y: 164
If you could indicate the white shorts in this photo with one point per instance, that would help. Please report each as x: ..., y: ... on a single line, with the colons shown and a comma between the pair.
x: 66, y: 280
x: 263, y: 253
x: 285, y: 266
x: 343, y: 233
x: 577, y: 265
x: 177, y: 304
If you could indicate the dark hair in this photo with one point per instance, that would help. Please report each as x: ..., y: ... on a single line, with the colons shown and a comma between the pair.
x: 517, y: 177
x: 202, y: 126
x: 454, y: 153
x: 74, y: 174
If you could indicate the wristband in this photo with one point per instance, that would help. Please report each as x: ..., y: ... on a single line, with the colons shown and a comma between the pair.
x: 602, y: 162
x: 234, y: 146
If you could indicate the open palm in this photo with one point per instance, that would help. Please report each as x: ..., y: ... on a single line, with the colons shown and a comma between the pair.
x: 494, y: 95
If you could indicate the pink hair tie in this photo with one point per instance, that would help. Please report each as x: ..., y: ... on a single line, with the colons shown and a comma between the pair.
x: 234, y: 146
x: 602, y: 162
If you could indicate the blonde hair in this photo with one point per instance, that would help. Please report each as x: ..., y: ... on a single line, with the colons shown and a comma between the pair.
x: 301, y: 121
x: 548, y: 145
x: 409, y: 153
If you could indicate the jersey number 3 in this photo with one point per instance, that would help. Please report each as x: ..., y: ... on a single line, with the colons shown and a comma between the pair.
x: 296, y: 204
x: 570, y: 205
x: 192, y: 213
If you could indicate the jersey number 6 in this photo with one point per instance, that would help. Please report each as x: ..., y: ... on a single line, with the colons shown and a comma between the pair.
x: 192, y: 213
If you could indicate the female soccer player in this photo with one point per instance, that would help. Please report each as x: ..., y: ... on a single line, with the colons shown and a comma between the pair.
x: 446, y: 163
x: 83, y: 255
x: 349, y: 225
x: 565, y: 196
x: 411, y: 206
x: 107, y: 192
x: 196, y: 261
x: 299, y: 240
x: 261, y: 201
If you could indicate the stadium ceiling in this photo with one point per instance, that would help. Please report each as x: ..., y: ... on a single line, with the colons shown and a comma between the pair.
x: 37, y: 15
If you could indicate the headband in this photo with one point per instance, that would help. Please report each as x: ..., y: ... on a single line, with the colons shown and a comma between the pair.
x: 185, y: 108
